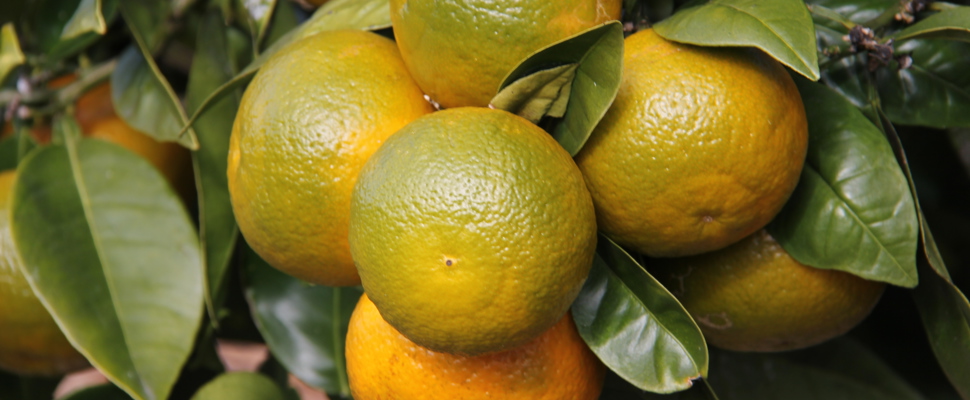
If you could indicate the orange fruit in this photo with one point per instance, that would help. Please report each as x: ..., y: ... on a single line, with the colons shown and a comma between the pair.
x: 384, y: 364
x: 308, y: 121
x: 31, y: 343
x: 753, y: 296
x: 701, y: 148
x: 460, y: 51
x: 472, y: 230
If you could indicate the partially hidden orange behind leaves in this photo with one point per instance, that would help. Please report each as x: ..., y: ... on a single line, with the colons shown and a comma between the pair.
x: 753, y: 296
x: 460, y: 51
x: 31, y: 343
x: 382, y: 364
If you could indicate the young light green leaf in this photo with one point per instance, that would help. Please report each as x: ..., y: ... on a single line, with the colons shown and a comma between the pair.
x: 10, y: 55
x: 336, y: 14
x: 542, y: 93
x: 781, y: 28
x: 112, y: 253
x: 211, y: 67
x: 852, y: 210
x: 309, y: 337
x: 950, y: 24
x: 144, y: 99
x: 838, y: 370
x: 585, y: 80
x: 636, y: 327
x: 240, y: 386
x: 946, y: 318
x: 934, y: 91
x: 87, y: 18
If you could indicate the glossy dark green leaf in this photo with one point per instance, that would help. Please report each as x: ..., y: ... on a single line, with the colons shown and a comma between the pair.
x: 951, y: 24
x: 8, y: 153
x: 44, y: 25
x: 284, y: 20
x: 781, y: 28
x: 145, y: 100
x: 211, y: 67
x: 846, y: 75
x: 304, y: 325
x: 946, y: 318
x: 943, y: 308
x: 147, y: 20
x: 87, y: 18
x: 240, y: 386
x: 10, y: 55
x: 258, y: 13
x: 852, y: 210
x: 579, y: 88
x: 113, y: 255
x: 857, y: 11
x: 636, y: 326
x: 336, y: 14
x: 100, y: 392
x: 934, y: 91
x: 838, y: 370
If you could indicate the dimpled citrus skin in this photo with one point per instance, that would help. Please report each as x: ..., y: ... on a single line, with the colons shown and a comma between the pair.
x: 307, y: 123
x: 753, y: 296
x: 472, y: 230
x: 383, y: 364
x: 459, y: 51
x: 30, y: 341
x: 702, y: 147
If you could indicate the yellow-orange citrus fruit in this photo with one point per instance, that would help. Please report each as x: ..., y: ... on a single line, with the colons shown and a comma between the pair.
x: 30, y: 341
x: 472, y: 230
x: 460, y: 51
x: 311, y: 117
x: 753, y: 296
x: 383, y: 364
x: 701, y: 148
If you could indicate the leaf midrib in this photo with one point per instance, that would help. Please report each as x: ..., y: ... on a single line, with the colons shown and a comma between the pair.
x: 804, y: 62
x: 81, y: 185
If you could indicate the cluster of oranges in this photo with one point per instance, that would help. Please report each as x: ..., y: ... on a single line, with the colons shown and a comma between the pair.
x: 360, y: 160
x: 355, y: 159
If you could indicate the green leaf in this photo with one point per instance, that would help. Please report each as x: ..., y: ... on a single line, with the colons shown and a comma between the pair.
x: 636, y: 327
x: 112, y: 254
x: 259, y: 13
x: 8, y: 153
x: 284, y: 20
x: 100, y: 392
x: 87, y: 18
x: 303, y: 325
x: 845, y: 75
x: 946, y: 317
x: 147, y: 21
x: 44, y: 25
x: 585, y: 80
x: 951, y: 24
x: 838, y: 370
x: 335, y: 15
x: 852, y: 210
x: 943, y: 308
x: 857, y: 11
x: 10, y: 55
x: 542, y: 93
x: 934, y: 91
x: 211, y: 67
x: 144, y: 99
x: 781, y: 28
x: 240, y: 386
